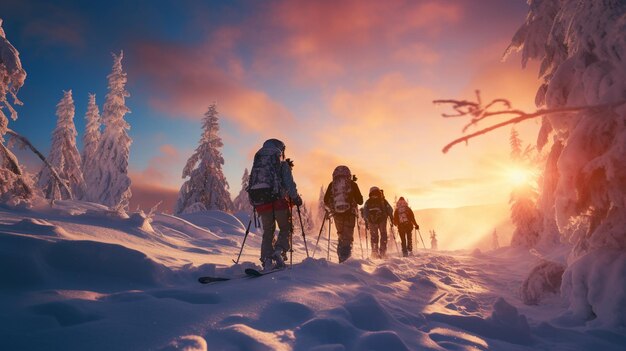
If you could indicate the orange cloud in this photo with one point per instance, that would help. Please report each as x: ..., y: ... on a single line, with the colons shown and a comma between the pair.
x: 186, y: 80
x: 335, y: 37
x: 165, y: 168
x: 147, y: 195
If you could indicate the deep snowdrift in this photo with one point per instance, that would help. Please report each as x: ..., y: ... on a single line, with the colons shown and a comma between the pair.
x: 79, y: 277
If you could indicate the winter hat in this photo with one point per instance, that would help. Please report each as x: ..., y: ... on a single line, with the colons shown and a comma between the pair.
x: 374, y: 191
x: 402, y: 202
x: 343, y: 171
x: 275, y: 143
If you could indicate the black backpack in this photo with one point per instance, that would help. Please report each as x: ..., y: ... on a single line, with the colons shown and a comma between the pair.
x: 375, y: 211
x: 265, y: 183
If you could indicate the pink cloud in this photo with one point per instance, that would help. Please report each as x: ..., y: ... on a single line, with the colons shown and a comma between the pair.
x: 147, y: 195
x: 334, y: 37
x: 186, y: 80
x: 58, y: 27
x: 162, y: 168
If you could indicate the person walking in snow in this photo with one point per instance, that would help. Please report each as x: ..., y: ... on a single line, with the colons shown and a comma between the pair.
x: 342, y: 198
x: 375, y: 212
x: 272, y: 192
x: 404, y: 219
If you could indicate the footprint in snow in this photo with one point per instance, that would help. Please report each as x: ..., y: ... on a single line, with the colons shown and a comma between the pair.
x: 65, y: 314
x: 282, y: 315
x: 188, y: 297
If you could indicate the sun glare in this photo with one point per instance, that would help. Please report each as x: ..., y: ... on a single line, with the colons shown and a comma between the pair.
x: 518, y: 176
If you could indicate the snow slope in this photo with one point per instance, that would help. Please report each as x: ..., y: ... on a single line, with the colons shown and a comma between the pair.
x: 79, y: 277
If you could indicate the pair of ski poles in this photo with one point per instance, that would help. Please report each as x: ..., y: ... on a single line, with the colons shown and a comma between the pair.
x: 290, y: 236
x: 328, y: 216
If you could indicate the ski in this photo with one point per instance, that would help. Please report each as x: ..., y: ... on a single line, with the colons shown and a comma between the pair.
x: 208, y: 279
x: 250, y: 273
x: 253, y: 273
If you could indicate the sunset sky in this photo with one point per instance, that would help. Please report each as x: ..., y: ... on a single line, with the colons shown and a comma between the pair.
x: 340, y: 82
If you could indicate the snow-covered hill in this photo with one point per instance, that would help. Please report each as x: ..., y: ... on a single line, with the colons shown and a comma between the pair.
x: 79, y: 277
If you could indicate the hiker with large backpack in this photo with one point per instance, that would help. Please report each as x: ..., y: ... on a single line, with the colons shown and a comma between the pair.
x: 272, y: 192
x: 375, y: 212
x: 342, y: 198
x: 404, y: 218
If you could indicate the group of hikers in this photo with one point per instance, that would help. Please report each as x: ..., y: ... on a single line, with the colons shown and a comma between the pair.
x: 272, y: 191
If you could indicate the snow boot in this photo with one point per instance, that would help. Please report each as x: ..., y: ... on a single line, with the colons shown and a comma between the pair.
x: 268, y: 265
x: 278, y: 257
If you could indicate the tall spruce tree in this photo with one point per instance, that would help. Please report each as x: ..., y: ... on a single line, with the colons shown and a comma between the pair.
x: 321, y: 208
x: 206, y: 187
x: 91, y: 139
x: 63, y: 155
x: 13, y: 183
x: 523, y: 200
x: 109, y: 181
x: 242, y: 202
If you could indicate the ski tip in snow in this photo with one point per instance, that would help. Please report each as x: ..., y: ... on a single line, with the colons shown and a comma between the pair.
x: 207, y: 280
x: 253, y: 272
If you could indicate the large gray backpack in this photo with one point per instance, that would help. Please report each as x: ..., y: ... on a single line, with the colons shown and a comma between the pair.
x: 265, y: 182
x: 341, y: 188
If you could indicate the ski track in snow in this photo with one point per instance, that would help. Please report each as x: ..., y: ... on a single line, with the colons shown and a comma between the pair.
x: 78, y: 278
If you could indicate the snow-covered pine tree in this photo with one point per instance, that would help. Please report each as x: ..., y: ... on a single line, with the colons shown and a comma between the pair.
x: 63, y: 156
x: 516, y: 145
x: 91, y: 138
x: 108, y: 178
x: 242, y: 202
x: 206, y: 185
x: 309, y: 224
x: 307, y: 219
x: 13, y: 185
x: 523, y: 200
x: 433, y: 240
x: 582, y: 47
x: 321, y: 208
x: 495, y: 242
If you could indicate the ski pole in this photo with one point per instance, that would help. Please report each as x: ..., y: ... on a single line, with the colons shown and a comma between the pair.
x: 244, y: 240
x: 422, y: 239
x: 320, y: 233
x: 328, y: 246
x: 358, y: 230
x: 303, y: 235
x: 291, y: 247
x: 393, y: 236
x: 367, y: 248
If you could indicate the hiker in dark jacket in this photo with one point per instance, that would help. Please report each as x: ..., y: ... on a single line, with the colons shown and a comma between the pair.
x: 272, y: 192
x: 404, y: 218
x: 375, y: 212
x: 342, y: 198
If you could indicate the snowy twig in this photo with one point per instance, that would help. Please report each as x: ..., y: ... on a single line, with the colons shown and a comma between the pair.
x: 479, y: 112
x: 53, y: 171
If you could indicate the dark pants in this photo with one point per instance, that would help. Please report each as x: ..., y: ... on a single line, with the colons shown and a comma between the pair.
x: 269, y: 220
x: 375, y: 229
x: 406, y: 237
x: 344, y: 223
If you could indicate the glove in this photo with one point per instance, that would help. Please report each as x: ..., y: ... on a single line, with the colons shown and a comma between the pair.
x: 297, y: 201
x: 417, y: 226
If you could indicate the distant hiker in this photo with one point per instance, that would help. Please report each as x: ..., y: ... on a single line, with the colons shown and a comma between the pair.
x: 404, y: 218
x: 272, y: 191
x: 376, y: 211
x: 433, y: 240
x: 494, y: 240
x: 342, y: 197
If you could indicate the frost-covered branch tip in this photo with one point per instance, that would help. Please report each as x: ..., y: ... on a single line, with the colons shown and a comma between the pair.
x: 478, y: 112
x: 25, y: 142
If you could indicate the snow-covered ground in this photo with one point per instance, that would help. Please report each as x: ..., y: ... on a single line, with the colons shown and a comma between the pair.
x: 78, y: 277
